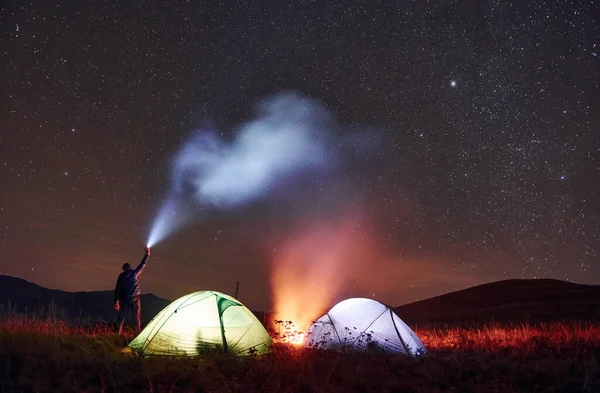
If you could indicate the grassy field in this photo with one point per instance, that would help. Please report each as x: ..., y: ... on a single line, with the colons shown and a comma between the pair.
x: 48, y: 355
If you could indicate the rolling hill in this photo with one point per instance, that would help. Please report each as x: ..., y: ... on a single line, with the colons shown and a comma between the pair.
x: 508, y: 301
x: 21, y: 296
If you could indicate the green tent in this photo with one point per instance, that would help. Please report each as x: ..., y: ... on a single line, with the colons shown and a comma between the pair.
x: 204, y: 322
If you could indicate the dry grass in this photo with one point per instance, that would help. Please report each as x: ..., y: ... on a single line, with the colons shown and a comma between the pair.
x: 50, y: 325
x: 522, y: 338
x: 50, y: 355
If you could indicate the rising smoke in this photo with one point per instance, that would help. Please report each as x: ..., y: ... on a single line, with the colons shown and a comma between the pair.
x: 313, y: 263
x: 289, y: 137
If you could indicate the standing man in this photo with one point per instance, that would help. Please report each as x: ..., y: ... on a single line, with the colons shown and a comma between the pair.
x: 127, y: 293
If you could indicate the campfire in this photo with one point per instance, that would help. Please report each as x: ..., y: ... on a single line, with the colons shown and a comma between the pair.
x: 309, y: 272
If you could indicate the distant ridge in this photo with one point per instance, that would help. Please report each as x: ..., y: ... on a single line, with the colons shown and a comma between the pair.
x: 21, y: 296
x: 507, y: 301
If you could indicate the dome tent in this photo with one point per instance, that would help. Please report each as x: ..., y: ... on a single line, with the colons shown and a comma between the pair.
x: 360, y: 324
x: 204, y: 322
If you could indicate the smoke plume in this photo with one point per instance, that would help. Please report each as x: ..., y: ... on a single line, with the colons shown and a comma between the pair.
x: 289, y: 137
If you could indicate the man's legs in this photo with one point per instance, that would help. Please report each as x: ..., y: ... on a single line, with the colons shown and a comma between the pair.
x: 137, y: 311
x: 121, y: 317
x: 130, y: 308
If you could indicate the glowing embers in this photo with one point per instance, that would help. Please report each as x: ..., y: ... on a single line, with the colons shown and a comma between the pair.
x: 286, y: 332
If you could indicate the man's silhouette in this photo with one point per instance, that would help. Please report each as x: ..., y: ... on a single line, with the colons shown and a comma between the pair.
x: 127, y: 293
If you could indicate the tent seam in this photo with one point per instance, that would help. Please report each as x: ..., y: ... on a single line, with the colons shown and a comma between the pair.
x: 197, y: 301
x: 379, y: 316
x: 334, y: 329
x: 149, y: 341
x: 397, y: 332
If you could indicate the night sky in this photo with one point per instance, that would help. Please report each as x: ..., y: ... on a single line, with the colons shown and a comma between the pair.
x: 484, y: 120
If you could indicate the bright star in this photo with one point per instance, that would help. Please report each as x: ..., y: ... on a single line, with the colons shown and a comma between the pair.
x: 453, y: 83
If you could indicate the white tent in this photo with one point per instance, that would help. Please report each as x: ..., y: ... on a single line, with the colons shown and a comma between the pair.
x: 203, y: 322
x: 360, y: 324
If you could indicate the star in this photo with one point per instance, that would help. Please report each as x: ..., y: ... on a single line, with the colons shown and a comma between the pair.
x: 459, y: 179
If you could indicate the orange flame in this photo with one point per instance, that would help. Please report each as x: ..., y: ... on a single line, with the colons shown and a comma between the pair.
x: 311, y: 268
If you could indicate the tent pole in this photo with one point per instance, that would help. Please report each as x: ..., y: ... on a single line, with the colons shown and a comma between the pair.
x: 398, y: 333
x: 225, y: 347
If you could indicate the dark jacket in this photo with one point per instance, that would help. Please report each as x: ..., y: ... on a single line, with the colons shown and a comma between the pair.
x: 127, y: 283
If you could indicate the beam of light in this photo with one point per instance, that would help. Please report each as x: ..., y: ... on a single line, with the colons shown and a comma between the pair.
x: 288, y: 138
x: 170, y: 217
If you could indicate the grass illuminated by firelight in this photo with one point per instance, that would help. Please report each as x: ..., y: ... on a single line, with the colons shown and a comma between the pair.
x: 49, y: 355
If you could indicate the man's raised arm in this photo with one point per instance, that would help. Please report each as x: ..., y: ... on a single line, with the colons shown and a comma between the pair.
x: 138, y: 270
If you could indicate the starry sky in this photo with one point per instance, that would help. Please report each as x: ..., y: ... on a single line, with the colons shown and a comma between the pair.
x: 486, y: 117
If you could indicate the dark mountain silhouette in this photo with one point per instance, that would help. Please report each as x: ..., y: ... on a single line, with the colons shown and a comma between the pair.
x: 508, y: 301
x: 23, y: 297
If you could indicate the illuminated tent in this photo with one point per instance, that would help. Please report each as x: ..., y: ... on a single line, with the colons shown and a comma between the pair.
x: 363, y: 324
x: 204, y: 322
